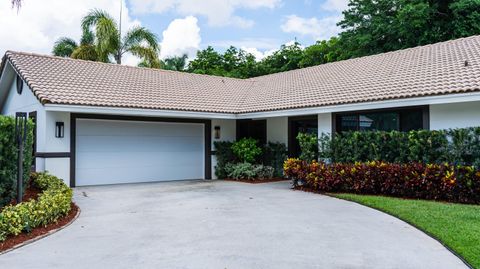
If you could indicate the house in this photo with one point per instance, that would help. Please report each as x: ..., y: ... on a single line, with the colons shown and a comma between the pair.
x: 100, y: 123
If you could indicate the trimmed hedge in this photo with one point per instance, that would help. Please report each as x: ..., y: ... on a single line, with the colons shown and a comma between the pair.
x: 455, y: 146
x: 53, y: 203
x: 443, y: 182
x: 8, y: 159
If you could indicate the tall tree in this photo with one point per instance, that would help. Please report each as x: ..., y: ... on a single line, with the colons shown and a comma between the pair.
x: 322, y: 52
x: 16, y: 3
x: 375, y: 26
x: 287, y: 58
x: 67, y: 47
x: 177, y: 63
x: 138, y: 41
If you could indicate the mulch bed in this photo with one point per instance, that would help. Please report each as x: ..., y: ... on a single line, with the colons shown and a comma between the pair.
x: 13, y: 241
x: 257, y: 181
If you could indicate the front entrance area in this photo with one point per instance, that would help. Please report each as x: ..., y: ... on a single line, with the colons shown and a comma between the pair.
x: 125, y: 151
x: 296, y: 125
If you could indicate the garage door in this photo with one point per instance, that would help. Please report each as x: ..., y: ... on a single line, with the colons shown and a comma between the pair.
x: 111, y: 151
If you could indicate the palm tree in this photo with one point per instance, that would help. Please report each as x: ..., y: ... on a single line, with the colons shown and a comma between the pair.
x: 67, y: 47
x: 138, y: 41
x: 16, y: 3
x: 176, y: 63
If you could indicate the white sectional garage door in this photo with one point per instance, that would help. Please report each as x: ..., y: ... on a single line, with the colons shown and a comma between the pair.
x: 111, y: 151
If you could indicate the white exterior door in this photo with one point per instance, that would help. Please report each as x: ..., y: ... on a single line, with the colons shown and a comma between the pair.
x: 113, y: 151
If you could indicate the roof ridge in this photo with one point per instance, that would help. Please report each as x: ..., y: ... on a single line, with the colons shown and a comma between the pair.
x: 8, y: 52
x: 372, y: 56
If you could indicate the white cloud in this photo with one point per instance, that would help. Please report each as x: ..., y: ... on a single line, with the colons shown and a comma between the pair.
x: 315, y: 28
x: 37, y: 25
x: 335, y: 5
x: 218, y: 12
x: 181, y: 37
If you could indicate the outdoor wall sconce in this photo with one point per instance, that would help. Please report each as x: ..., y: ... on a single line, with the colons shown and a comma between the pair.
x: 217, y: 132
x: 59, y: 129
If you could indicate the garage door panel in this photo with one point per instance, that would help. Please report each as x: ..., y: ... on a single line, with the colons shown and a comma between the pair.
x: 111, y: 152
x: 115, y: 159
x: 118, y: 128
x: 140, y: 144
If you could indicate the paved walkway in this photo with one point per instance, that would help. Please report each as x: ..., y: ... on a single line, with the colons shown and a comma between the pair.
x: 227, y: 225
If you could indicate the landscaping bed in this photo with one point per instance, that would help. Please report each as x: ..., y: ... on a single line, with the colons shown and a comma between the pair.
x: 442, y: 182
x: 13, y: 241
x: 49, y: 206
x: 257, y: 181
x: 454, y: 225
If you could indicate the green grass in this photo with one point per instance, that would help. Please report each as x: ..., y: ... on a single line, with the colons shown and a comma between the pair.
x: 455, y: 225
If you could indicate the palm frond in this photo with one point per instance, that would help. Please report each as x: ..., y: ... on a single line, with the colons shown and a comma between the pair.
x: 176, y: 63
x: 85, y: 52
x: 106, y: 32
x: 88, y: 38
x: 17, y: 4
x: 138, y: 36
x: 148, y: 55
x: 64, y: 47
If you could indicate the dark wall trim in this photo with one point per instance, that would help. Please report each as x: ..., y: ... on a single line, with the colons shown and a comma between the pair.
x: 73, y: 132
x: 426, y: 117
x: 52, y: 154
x: 425, y: 111
x: 33, y: 116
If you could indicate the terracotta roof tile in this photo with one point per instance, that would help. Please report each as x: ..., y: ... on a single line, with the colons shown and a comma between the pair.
x: 422, y: 71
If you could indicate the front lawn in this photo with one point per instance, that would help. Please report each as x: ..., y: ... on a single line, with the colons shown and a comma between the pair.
x: 456, y: 225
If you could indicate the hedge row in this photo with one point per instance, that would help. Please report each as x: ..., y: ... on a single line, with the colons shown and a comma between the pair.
x: 413, y: 180
x: 455, y: 146
x: 53, y: 203
x: 9, y: 156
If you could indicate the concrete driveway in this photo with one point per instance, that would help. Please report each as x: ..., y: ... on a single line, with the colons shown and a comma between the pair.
x: 227, y: 225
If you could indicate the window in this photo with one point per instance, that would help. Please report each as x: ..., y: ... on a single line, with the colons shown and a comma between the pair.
x: 296, y: 125
x: 387, y: 120
x: 256, y: 129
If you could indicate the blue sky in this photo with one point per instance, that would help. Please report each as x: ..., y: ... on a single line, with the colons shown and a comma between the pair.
x: 266, y: 27
x: 183, y: 26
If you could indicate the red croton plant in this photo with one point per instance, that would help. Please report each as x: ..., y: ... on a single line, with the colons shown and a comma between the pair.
x: 443, y: 182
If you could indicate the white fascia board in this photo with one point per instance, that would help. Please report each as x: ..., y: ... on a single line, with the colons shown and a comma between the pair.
x: 416, y: 101
x: 137, y: 112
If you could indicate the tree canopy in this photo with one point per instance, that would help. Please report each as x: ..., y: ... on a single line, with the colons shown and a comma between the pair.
x: 368, y: 27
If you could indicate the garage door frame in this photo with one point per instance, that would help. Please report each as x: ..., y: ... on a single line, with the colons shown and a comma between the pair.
x: 73, y: 134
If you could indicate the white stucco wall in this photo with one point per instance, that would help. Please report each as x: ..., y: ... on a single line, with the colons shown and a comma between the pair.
x: 277, y: 130
x: 59, y: 167
x: 324, y: 123
x: 458, y: 115
x: 228, y: 132
x: 52, y: 143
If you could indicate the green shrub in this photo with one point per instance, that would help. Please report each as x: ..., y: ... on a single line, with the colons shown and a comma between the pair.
x: 308, y: 146
x: 53, y: 203
x: 249, y: 171
x: 263, y: 171
x: 455, y: 146
x: 8, y: 158
x: 274, y: 154
x: 246, y: 150
x: 224, y: 155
